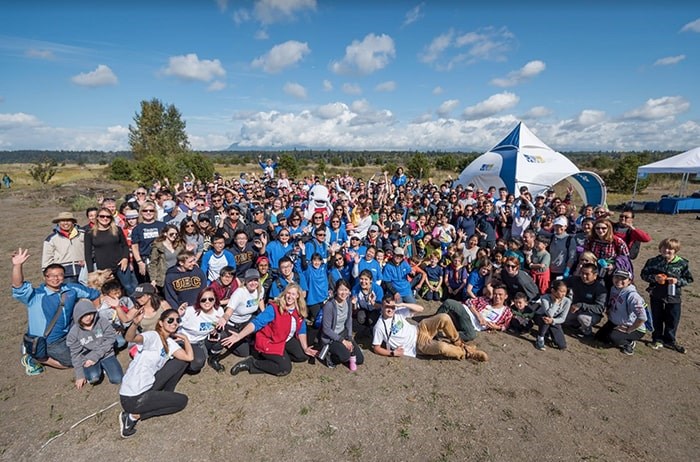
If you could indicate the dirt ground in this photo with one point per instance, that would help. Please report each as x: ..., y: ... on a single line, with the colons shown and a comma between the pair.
x: 580, y: 404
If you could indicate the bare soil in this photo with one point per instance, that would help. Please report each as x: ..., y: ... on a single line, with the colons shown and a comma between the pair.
x: 584, y: 403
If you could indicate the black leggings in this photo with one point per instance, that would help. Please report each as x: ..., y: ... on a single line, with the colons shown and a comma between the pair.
x: 276, y: 364
x: 161, y: 399
x: 341, y: 355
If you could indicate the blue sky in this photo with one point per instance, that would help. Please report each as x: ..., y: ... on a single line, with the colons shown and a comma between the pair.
x: 430, y: 75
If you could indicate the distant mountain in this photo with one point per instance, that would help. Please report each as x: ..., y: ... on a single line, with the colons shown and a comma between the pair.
x: 236, y: 147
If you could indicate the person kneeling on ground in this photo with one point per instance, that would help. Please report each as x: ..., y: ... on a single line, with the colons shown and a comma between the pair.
x: 627, y: 314
x: 148, y: 387
x: 400, y: 338
x: 91, y: 343
x: 336, y: 330
x: 550, y: 316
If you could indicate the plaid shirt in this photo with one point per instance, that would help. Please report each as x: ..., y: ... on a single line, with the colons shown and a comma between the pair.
x: 607, y: 250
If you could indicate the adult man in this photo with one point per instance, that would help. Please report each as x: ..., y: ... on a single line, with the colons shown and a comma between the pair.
x: 588, y: 301
x: 244, y: 252
x: 394, y: 336
x: 173, y: 214
x: 43, y: 303
x: 395, y: 276
x: 479, y: 314
x: 232, y: 224
x: 65, y: 246
x: 625, y: 230
x: 184, y: 281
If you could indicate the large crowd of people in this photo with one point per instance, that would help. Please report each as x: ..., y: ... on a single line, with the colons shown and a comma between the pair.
x: 277, y: 271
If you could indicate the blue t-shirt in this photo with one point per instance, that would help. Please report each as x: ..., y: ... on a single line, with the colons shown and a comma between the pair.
x: 144, y: 234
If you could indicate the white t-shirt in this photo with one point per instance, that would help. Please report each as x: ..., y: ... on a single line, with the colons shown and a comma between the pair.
x: 198, y: 326
x: 149, y: 359
x: 397, y: 332
x: 244, y: 304
x: 216, y: 264
x: 489, y: 313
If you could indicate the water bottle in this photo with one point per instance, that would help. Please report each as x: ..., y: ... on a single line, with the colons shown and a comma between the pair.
x: 353, y: 363
x: 324, y: 351
x: 671, y: 290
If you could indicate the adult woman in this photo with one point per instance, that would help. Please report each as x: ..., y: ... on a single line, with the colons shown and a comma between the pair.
x: 275, y: 348
x: 148, y: 387
x: 206, y: 230
x: 105, y: 248
x: 246, y: 301
x: 336, y: 232
x: 606, y: 247
x: 336, y: 331
x: 164, y: 254
x: 340, y: 269
x: 142, y: 239
x: 149, y: 304
x: 192, y: 236
x: 199, y: 326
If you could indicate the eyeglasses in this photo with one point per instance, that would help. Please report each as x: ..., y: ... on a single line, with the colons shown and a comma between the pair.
x: 321, y: 234
x: 173, y: 320
x: 207, y: 299
x: 148, y: 211
x: 318, y: 218
x: 104, y: 216
x: 511, y: 266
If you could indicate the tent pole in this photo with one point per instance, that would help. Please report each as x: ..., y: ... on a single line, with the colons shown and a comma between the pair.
x: 680, y: 189
x: 634, y: 193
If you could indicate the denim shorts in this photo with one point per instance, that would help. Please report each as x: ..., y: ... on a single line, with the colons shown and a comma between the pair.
x: 59, y: 351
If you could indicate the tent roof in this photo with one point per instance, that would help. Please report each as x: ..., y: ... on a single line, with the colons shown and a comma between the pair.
x: 686, y: 162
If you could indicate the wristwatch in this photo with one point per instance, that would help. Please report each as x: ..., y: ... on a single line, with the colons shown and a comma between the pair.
x: 391, y: 353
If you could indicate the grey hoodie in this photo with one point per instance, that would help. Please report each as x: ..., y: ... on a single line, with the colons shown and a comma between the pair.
x: 89, y: 344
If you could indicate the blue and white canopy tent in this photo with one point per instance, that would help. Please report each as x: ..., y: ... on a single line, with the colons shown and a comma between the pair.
x: 522, y: 159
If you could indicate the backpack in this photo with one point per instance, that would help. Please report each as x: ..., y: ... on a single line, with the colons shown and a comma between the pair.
x: 636, y: 245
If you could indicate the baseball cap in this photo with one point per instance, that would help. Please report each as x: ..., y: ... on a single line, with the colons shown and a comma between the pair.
x: 143, y: 289
x: 251, y: 275
x: 398, y: 251
x: 168, y: 206
x: 561, y: 221
x: 622, y: 274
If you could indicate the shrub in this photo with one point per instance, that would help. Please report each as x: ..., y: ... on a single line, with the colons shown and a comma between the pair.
x: 121, y: 169
x: 44, y: 170
x: 419, y: 166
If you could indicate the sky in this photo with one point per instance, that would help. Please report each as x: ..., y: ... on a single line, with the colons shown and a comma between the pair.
x: 359, y: 75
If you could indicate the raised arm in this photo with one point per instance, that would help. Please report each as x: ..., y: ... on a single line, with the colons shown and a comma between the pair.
x: 18, y: 259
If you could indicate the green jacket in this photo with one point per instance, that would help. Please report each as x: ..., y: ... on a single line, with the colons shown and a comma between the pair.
x: 676, y: 268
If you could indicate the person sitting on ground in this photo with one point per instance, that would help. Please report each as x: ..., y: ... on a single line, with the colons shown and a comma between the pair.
x: 554, y: 307
x: 148, y: 387
x: 199, y: 325
x: 588, y: 300
x: 336, y: 330
x: 479, y: 281
x: 517, y: 280
x: 65, y: 246
x: 662, y: 272
x: 91, y: 343
x: 523, y: 315
x: 395, y: 336
x: 275, y: 348
x: 366, y: 295
x: 49, y: 312
x: 626, y: 314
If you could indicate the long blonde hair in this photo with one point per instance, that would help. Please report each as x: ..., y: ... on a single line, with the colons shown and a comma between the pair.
x: 301, y: 303
x: 113, y: 228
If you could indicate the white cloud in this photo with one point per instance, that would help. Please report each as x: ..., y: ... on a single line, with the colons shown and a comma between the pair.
x: 446, y: 107
x: 659, y: 108
x: 40, y: 54
x: 439, y: 44
x: 327, y: 85
x: 18, y: 119
x: 351, y: 89
x: 371, y: 54
x: 537, y: 112
x: 438, y: 90
x: 282, y: 56
x: 100, y: 77
x: 295, y: 90
x: 589, y: 117
x: 240, y: 16
x: 693, y: 26
x: 526, y: 72
x: 492, y: 105
x: 360, y: 106
x: 222, y: 4
x: 450, y: 49
x: 272, y: 11
x: 190, y: 67
x: 216, y: 85
x: 386, y: 86
x: 413, y: 15
x: 669, y: 60
x: 261, y: 34
x: 331, y: 111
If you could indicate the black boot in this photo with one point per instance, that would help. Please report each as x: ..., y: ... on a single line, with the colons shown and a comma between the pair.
x: 213, y: 361
x: 240, y: 367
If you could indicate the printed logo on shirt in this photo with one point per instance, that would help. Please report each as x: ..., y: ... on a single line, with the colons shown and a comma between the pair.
x: 187, y: 283
x: 150, y: 233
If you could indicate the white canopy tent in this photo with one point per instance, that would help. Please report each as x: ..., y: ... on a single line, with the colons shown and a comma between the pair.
x: 686, y: 163
x: 522, y: 159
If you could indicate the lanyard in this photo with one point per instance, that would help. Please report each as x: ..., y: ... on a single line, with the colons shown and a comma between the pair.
x: 390, y: 331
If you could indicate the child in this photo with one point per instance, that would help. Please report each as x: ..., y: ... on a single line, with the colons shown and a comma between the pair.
x: 514, y: 246
x: 523, y: 315
x: 225, y: 285
x: 117, y: 309
x: 479, y: 281
x: 554, y: 307
x: 539, y: 264
x: 435, y: 273
x: 419, y: 277
x: 661, y: 272
x: 497, y: 260
x: 91, y: 343
x: 456, y: 277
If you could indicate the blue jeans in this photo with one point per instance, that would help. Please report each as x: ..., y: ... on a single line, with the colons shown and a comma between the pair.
x: 408, y: 298
x: 110, y: 365
x: 127, y: 280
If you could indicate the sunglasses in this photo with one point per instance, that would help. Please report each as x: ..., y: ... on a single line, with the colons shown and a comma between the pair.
x: 207, y: 299
x: 511, y: 266
x: 104, y: 216
x: 601, y: 228
x: 172, y: 234
x: 148, y: 211
x: 140, y: 193
x: 173, y: 320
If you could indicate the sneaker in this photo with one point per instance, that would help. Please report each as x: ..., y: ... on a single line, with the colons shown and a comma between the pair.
x: 127, y: 427
x: 657, y: 345
x: 31, y: 367
x: 629, y: 348
x: 674, y: 346
x: 539, y: 343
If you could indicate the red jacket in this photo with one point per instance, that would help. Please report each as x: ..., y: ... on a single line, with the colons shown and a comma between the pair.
x: 272, y: 338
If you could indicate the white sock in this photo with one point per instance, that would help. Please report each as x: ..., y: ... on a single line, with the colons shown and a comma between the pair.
x: 132, y: 418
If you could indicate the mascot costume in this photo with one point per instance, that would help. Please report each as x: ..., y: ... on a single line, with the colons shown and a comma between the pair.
x: 319, y: 202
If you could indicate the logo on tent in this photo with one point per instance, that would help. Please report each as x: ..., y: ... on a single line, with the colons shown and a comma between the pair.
x: 486, y: 167
x: 534, y: 159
